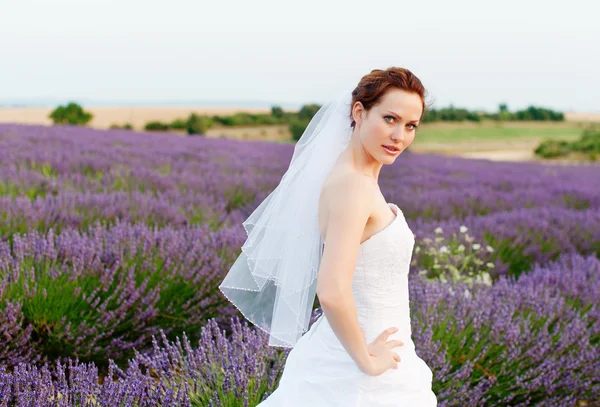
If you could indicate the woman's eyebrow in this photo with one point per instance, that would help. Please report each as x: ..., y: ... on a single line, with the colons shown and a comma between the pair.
x: 400, y: 117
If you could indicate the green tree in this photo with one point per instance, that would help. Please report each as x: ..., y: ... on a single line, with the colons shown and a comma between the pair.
x: 197, y: 124
x: 308, y: 111
x: 277, y: 111
x: 72, y: 113
x: 503, y: 113
x: 297, y: 128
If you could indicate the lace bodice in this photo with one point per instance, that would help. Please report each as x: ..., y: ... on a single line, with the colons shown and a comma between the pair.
x: 380, y: 282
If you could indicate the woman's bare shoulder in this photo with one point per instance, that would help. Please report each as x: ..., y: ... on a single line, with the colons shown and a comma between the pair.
x: 349, y: 194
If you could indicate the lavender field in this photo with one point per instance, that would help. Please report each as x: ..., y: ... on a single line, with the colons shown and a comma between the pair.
x: 113, y: 243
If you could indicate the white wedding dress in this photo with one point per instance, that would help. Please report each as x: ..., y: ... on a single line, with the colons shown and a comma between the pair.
x: 320, y: 373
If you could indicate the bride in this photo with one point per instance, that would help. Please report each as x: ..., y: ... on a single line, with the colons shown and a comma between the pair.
x: 327, y: 230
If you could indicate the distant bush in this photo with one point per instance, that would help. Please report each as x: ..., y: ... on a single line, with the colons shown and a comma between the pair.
x: 459, y: 114
x: 450, y: 114
x: 197, y: 124
x: 588, y: 143
x: 277, y: 112
x: 246, y: 119
x: 297, y: 127
x: 178, y: 124
x: 553, y: 148
x: 126, y: 126
x: 72, y: 113
x: 238, y: 119
x: 538, y: 113
x: 156, y: 126
x: 308, y: 111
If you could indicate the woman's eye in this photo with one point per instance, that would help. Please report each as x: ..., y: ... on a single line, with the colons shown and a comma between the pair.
x: 413, y: 126
x: 391, y: 117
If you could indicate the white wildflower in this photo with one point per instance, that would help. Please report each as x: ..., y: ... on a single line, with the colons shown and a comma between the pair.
x: 486, y: 279
x: 490, y: 265
x: 443, y: 249
x: 463, y: 229
x: 461, y: 247
x: 489, y: 249
x: 476, y: 246
x: 438, y: 230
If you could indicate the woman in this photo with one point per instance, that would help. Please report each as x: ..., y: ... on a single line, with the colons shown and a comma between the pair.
x: 327, y: 230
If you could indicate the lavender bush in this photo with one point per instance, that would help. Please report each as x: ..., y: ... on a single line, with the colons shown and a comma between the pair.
x: 100, y: 295
x: 75, y: 384
x: 518, y: 342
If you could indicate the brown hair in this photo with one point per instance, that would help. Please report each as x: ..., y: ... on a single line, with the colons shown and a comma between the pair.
x: 373, y: 86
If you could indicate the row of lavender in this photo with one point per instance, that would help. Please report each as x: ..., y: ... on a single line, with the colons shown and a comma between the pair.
x: 99, y: 294
x: 57, y: 177
x: 79, y: 282
x: 533, y: 341
x: 73, y: 176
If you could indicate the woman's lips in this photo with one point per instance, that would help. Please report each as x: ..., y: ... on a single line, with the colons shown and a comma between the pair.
x: 389, y: 151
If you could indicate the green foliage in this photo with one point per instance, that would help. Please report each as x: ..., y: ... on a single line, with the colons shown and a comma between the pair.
x: 552, y: 149
x: 265, y: 119
x: 450, y: 114
x: 453, y: 114
x: 156, y: 126
x: 197, y: 124
x: 72, y: 114
x: 297, y: 128
x: 126, y: 126
x: 538, y: 113
x: 247, y: 119
x: 308, y: 111
x: 277, y: 112
x: 178, y: 124
x: 509, y: 253
x: 503, y: 113
x: 589, y: 143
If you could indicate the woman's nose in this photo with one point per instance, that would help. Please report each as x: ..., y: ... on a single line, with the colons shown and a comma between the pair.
x: 398, y: 136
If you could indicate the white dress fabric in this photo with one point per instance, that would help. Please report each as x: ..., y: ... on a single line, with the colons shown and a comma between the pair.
x: 320, y: 373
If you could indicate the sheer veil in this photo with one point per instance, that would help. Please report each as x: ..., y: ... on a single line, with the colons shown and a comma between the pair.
x: 273, y: 281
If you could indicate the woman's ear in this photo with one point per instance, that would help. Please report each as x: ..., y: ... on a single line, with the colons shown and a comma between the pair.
x: 357, y: 112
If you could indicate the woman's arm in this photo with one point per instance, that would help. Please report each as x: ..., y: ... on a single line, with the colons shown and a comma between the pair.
x: 349, y: 205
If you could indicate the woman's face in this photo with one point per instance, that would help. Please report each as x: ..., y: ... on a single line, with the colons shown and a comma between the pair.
x: 392, y: 122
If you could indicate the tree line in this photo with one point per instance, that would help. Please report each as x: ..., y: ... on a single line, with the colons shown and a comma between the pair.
x: 297, y: 121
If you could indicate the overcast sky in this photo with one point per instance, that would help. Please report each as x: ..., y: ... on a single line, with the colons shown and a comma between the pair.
x: 472, y: 53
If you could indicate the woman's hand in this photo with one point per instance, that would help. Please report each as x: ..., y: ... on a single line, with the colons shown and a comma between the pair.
x: 382, y: 357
